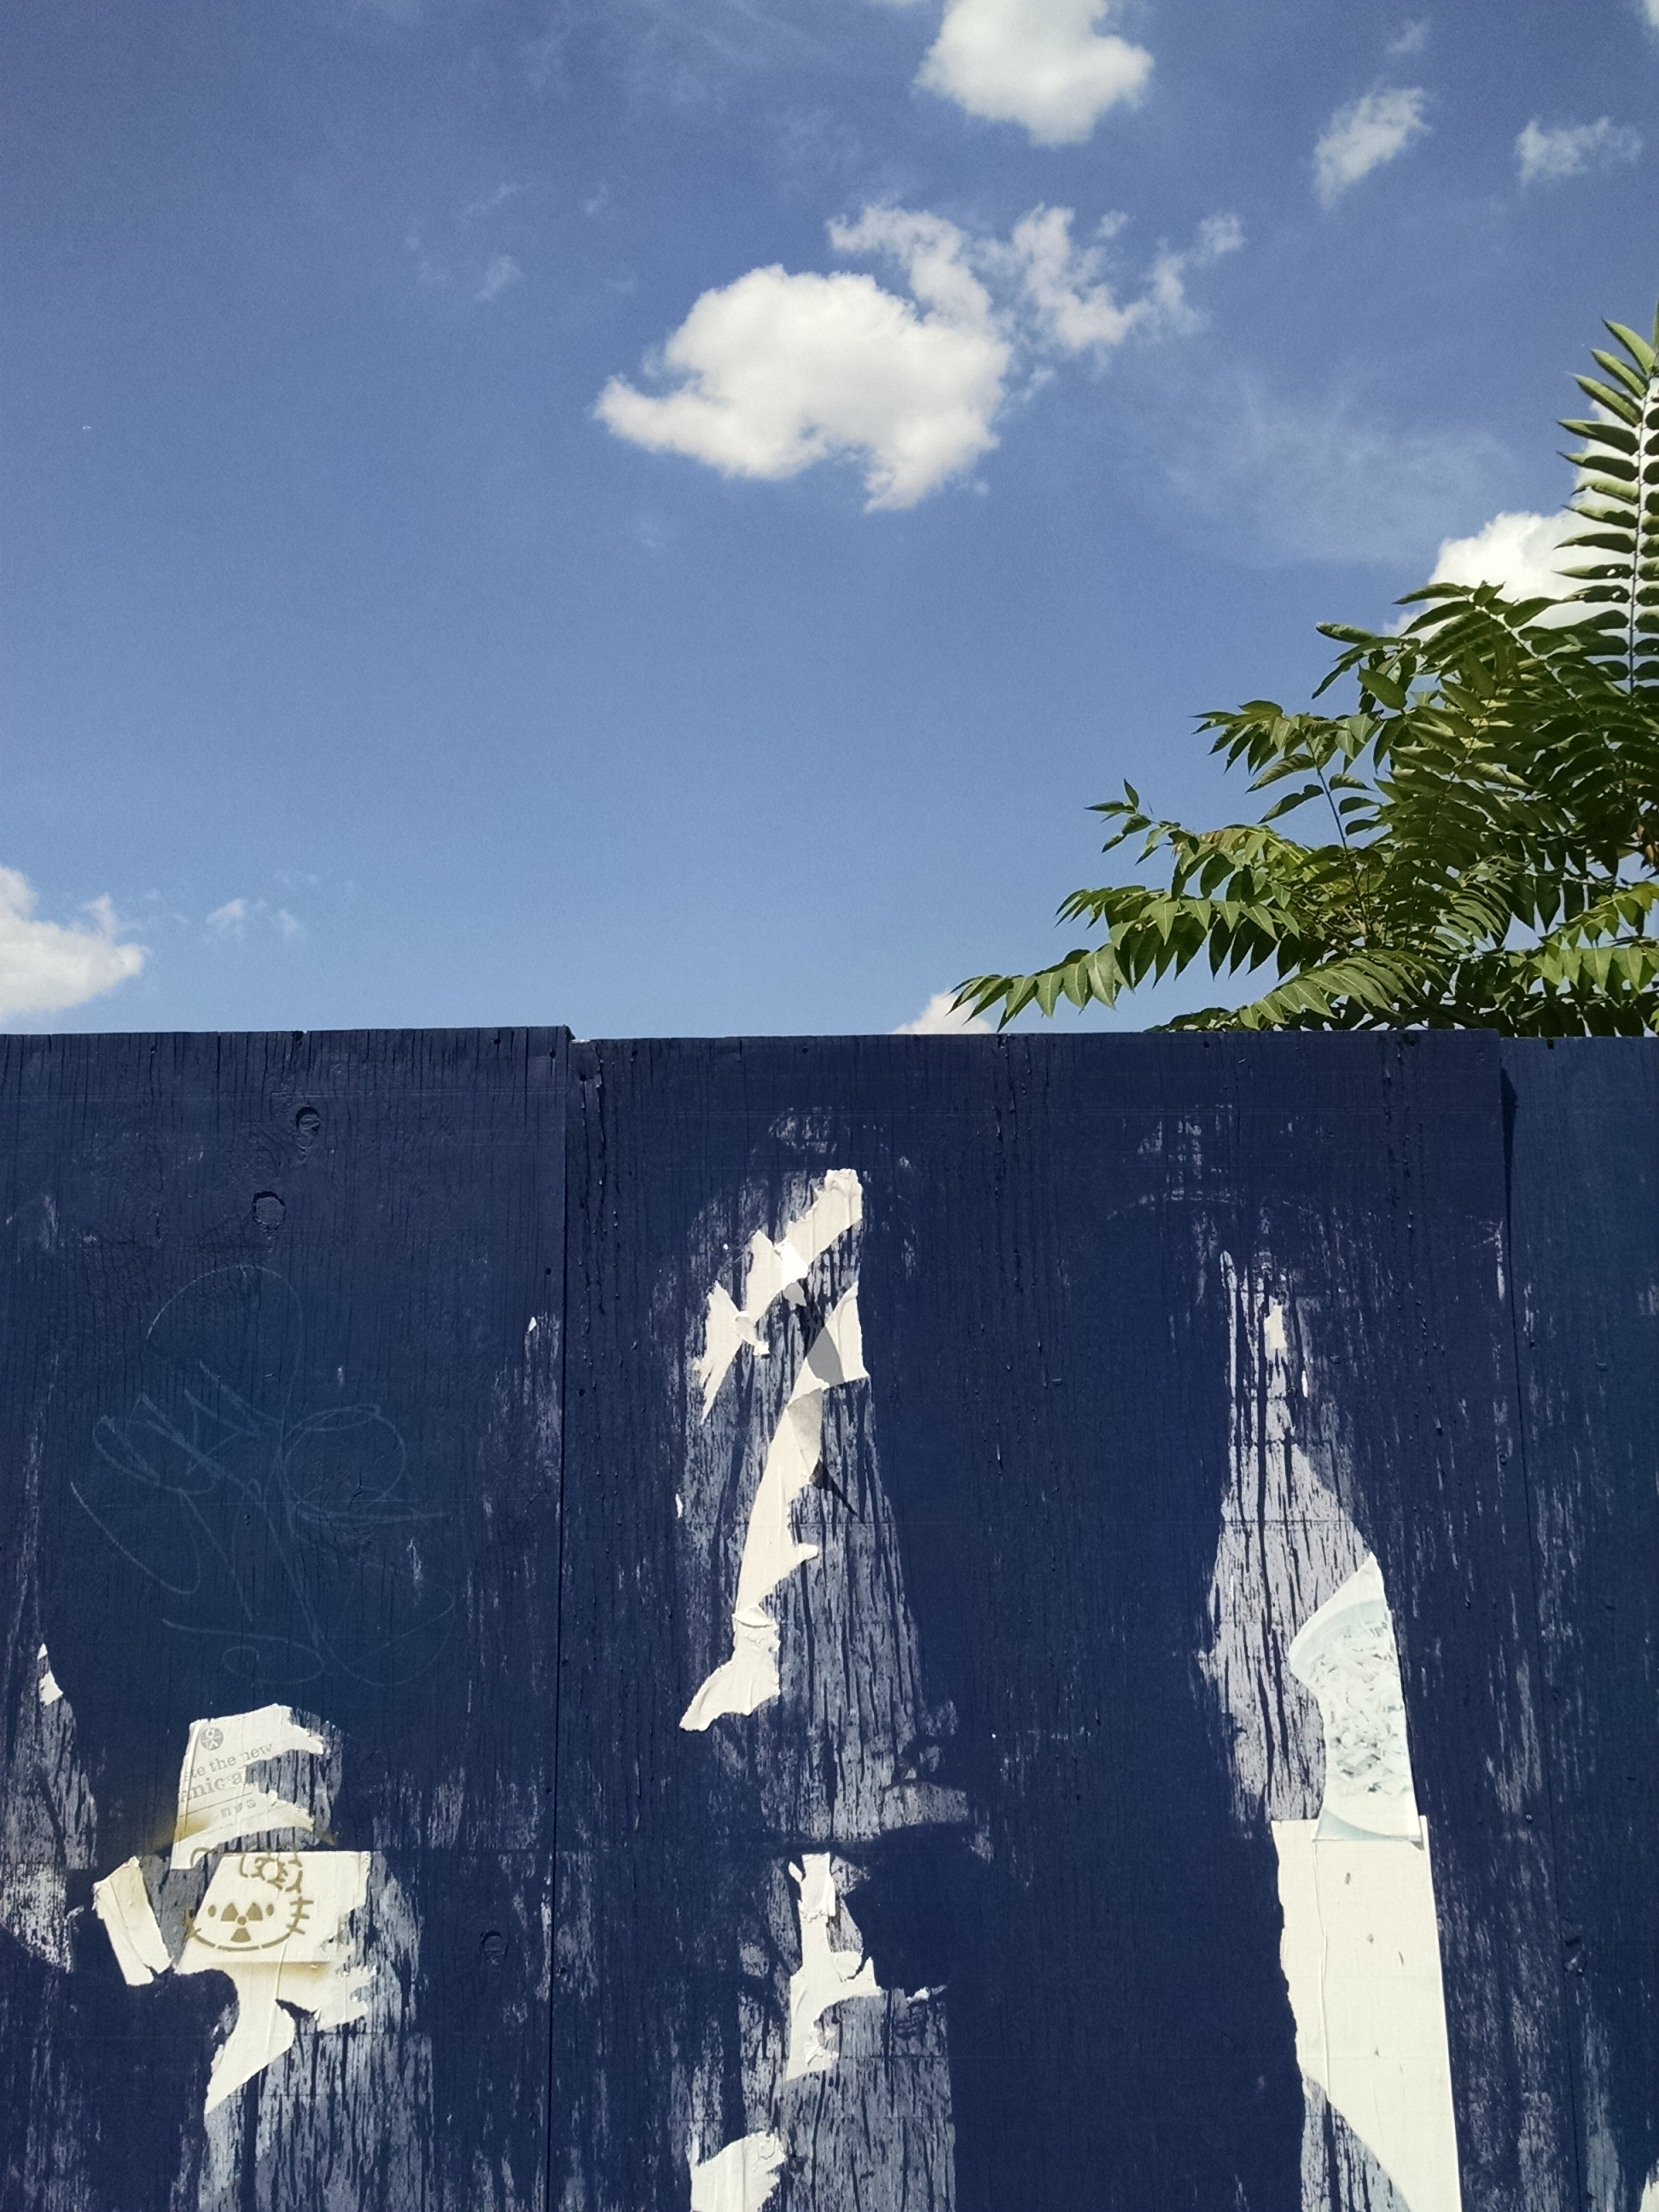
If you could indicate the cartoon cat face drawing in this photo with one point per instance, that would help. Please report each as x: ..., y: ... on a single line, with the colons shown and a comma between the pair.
x: 254, y: 1904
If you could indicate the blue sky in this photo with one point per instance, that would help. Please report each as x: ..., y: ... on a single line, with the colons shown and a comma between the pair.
x: 661, y: 514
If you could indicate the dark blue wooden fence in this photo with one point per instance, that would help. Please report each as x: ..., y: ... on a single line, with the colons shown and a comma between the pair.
x: 365, y: 1377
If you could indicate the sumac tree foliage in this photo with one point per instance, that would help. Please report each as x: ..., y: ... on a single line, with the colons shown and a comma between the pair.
x: 1490, y: 807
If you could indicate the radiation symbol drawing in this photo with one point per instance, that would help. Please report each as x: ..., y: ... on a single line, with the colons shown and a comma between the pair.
x: 256, y: 1907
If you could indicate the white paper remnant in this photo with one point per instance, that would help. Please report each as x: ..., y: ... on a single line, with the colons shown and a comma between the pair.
x: 829, y: 1974
x: 1361, y: 1955
x: 272, y: 1921
x: 750, y: 1677
x: 50, y: 1692
x: 1348, y: 1657
x: 741, y: 2177
x: 1361, y: 1944
x: 217, y: 1804
x: 775, y: 1269
x: 122, y: 1903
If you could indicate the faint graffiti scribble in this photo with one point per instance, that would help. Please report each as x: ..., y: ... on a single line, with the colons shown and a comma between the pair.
x: 287, y: 1536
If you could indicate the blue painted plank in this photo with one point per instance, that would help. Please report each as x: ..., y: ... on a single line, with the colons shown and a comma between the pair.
x: 1583, y: 1244
x: 282, y: 1321
x: 1037, y: 1474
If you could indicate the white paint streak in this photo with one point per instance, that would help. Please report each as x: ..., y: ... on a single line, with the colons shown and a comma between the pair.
x: 122, y: 1903
x: 50, y: 1692
x: 742, y: 2177
x: 829, y: 1974
x: 217, y: 1804
x: 272, y: 1921
x: 775, y: 1270
x: 771, y: 1550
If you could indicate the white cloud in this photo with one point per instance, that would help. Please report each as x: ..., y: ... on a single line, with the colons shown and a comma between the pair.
x: 779, y: 371
x: 1524, y: 555
x: 1061, y: 289
x: 940, y: 1017
x: 502, y: 273
x: 1042, y: 64
x: 45, y: 967
x: 1363, y: 135
x: 1413, y: 37
x: 1652, y: 8
x: 1573, y: 147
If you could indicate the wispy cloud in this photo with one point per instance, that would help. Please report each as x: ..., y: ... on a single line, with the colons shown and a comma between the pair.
x: 778, y: 371
x: 501, y: 275
x: 45, y: 967
x: 1363, y: 135
x: 940, y: 1017
x: 1276, y: 476
x: 475, y: 211
x: 1045, y: 65
x: 1547, y: 156
x: 1412, y: 38
x: 230, y: 922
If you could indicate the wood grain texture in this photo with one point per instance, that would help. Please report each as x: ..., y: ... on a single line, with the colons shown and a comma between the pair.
x: 1583, y: 1247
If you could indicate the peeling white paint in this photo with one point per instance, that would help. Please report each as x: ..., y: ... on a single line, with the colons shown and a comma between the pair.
x: 771, y: 1550
x: 829, y: 1973
x: 122, y: 1902
x: 777, y: 1269
x: 742, y: 2177
x: 50, y: 1692
x: 217, y: 1804
x: 272, y: 1921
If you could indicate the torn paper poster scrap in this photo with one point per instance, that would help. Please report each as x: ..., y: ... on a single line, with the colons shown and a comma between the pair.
x: 750, y: 1678
x: 829, y: 1973
x: 741, y: 2177
x: 1361, y: 1943
x: 1346, y: 1656
x: 272, y: 1921
x: 217, y: 1804
x: 122, y: 1902
x: 777, y: 1269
